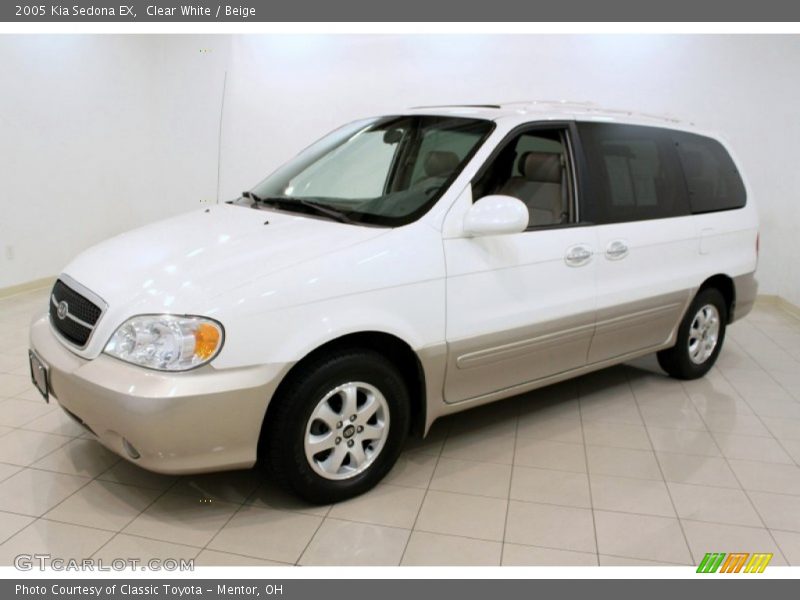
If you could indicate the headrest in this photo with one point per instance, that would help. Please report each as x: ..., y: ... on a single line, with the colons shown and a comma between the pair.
x: 542, y: 167
x: 440, y: 163
x: 692, y: 164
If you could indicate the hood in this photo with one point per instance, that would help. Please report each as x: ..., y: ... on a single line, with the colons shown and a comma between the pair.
x: 179, y: 264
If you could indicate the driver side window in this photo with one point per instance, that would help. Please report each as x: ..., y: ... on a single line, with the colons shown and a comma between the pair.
x: 534, y: 167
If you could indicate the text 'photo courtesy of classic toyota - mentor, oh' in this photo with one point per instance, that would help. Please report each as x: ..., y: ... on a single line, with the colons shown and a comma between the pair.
x: 403, y: 268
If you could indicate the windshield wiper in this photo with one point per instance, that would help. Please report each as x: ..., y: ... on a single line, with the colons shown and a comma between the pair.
x: 288, y: 202
x: 326, y: 210
x: 252, y: 196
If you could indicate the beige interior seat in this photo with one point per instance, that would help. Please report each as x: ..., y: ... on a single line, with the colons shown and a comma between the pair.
x: 540, y: 187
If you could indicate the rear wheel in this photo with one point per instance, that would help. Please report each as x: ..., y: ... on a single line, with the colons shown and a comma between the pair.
x: 338, y: 426
x: 700, y: 337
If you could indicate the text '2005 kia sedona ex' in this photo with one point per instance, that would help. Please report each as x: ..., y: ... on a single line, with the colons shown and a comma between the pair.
x: 402, y: 268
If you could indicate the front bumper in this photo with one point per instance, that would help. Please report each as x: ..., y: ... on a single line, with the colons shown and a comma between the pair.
x: 196, y: 421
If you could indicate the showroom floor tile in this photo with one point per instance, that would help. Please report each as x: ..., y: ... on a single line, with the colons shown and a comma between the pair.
x: 641, y: 536
x: 550, y: 526
x: 104, y: 505
x: 459, y: 514
x: 347, y: 543
x: 267, y: 533
x: 623, y: 462
x: 620, y: 467
x: 131, y: 546
x: 60, y: 540
x: 714, y: 504
x: 212, y: 558
x: 435, y: 549
x: 517, y: 555
x: 387, y: 504
x: 551, y: 487
x: 182, y: 519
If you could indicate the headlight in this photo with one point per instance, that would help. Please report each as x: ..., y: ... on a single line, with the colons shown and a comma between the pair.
x: 166, y: 342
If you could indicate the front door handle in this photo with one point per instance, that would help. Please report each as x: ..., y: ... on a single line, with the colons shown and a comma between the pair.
x: 616, y: 250
x: 577, y: 256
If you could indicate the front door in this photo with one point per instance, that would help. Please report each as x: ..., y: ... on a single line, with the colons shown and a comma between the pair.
x: 521, y: 307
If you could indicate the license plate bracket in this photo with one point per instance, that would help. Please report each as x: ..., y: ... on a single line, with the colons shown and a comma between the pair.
x: 39, y: 375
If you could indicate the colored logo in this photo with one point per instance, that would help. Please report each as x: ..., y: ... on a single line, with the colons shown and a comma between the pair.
x: 735, y: 562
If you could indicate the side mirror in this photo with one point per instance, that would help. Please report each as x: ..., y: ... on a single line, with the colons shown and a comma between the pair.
x: 495, y: 215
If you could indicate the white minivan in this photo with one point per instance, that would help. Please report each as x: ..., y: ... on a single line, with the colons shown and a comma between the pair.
x: 403, y: 268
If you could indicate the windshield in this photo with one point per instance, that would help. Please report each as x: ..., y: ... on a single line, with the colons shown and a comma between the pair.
x: 386, y: 171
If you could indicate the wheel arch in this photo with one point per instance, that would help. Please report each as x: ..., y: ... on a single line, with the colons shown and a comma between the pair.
x: 389, y: 345
x: 724, y: 284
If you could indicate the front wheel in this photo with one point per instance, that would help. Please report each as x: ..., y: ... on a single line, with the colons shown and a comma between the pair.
x: 700, y: 337
x: 338, y: 426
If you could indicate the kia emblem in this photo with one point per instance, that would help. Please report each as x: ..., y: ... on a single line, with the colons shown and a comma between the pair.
x: 63, y: 309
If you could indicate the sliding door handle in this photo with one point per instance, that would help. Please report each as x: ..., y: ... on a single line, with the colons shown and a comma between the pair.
x: 616, y: 250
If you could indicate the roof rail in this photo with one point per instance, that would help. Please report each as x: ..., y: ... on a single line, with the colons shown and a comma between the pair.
x: 594, y: 107
x: 458, y: 106
x: 585, y: 106
x: 550, y: 102
x: 633, y: 113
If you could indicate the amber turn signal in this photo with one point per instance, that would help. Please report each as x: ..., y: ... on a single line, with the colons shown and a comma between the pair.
x: 206, y: 341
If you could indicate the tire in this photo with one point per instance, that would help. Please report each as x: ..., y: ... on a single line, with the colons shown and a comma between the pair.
x: 310, y: 415
x: 693, y: 355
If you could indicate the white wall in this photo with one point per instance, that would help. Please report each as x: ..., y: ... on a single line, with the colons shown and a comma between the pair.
x: 74, y: 119
x: 99, y: 135
x: 160, y: 98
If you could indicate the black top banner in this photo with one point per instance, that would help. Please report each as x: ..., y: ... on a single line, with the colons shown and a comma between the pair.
x: 42, y: 11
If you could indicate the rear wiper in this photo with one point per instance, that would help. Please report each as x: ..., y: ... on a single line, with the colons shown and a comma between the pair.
x: 286, y: 202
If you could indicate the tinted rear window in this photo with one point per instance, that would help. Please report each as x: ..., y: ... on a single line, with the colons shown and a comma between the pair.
x: 712, y: 179
x: 634, y: 174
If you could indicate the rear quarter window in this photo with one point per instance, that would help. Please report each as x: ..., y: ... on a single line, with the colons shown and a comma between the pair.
x: 712, y: 179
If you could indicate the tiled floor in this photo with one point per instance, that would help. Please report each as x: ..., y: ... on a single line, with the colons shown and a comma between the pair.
x: 621, y: 467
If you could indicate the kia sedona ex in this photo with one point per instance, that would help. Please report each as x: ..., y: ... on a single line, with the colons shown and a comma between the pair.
x: 402, y: 268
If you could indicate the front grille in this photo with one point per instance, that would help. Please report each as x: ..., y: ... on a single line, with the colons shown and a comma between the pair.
x: 77, y: 322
